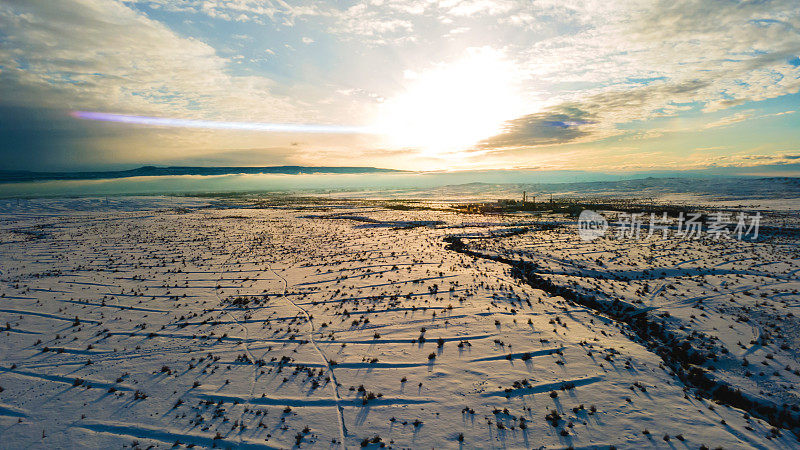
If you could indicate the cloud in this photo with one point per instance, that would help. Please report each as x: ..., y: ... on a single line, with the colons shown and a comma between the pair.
x: 742, y: 116
x: 257, y: 11
x: 473, y: 7
x: 371, y: 25
x: 655, y: 59
x: 782, y: 113
x: 587, y: 68
x: 730, y: 120
x: 772, y: 159
x: 715, y: 54
x: 546, y: 128
x: 101, y: 55
x: 595, y: 117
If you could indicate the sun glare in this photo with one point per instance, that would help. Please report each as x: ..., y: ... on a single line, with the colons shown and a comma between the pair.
x: 451, y: 107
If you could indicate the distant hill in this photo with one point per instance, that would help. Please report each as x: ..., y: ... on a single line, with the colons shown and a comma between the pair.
x: 18, y: 176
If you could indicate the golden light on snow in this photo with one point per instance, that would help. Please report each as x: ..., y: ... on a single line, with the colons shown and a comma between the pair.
x: 451, y: 107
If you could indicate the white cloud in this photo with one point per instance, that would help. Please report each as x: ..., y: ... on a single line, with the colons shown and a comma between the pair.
x: 474, y: 7
x: 730, y: 120
x: 605, y: 62
x: 641, y: 60
x: 117, y: 60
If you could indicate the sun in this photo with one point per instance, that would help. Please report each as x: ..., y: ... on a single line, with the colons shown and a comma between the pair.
x: 450, y: 107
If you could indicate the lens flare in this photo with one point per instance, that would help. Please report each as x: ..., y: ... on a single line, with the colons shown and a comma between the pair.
x: 218, y: 125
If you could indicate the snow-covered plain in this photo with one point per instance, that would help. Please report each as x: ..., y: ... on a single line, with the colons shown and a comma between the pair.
x: 337, y: 324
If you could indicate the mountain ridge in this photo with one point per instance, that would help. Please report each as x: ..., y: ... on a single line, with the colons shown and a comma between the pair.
x: 19, y: 176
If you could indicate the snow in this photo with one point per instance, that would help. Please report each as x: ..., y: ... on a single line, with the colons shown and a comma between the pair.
x: 170, y: 320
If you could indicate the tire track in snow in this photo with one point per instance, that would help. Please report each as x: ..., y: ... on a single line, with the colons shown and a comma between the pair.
x: 334, y: 384
x: 242, y: 342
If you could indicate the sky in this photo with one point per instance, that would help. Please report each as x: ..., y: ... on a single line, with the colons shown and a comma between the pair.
x: 418, y: 85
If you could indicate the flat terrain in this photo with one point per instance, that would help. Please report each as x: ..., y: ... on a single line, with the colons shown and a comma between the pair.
x: 166, y: 323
